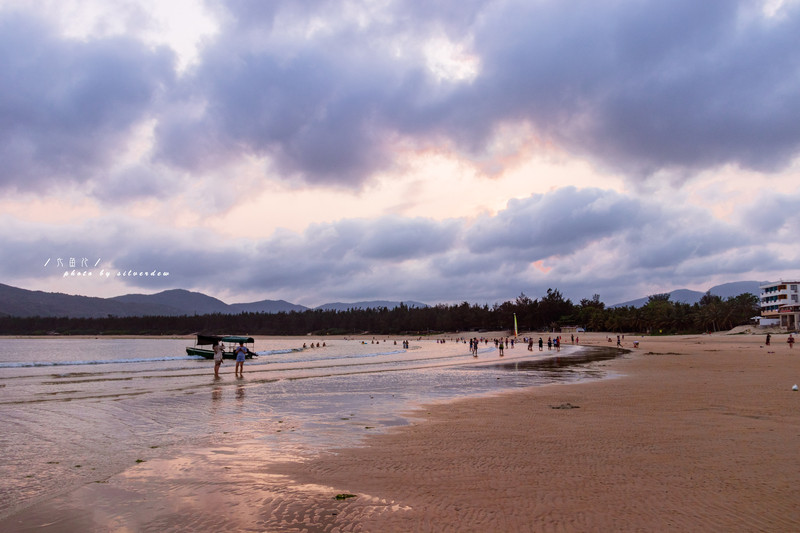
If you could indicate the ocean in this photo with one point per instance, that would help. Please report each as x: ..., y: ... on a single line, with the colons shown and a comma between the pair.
x: 80, y: 410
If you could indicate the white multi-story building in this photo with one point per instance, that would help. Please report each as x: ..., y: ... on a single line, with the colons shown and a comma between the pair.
x: 780, y: 304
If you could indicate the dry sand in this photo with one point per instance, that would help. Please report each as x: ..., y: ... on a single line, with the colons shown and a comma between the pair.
x: 698, y: 433
x: 693, y: 433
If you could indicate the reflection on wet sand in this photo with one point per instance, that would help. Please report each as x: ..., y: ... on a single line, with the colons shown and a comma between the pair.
x: 219, y: 489
x: 290, y: 405
x: 216, y: 393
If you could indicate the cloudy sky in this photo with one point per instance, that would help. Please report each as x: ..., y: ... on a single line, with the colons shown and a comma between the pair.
x: 448, y: 151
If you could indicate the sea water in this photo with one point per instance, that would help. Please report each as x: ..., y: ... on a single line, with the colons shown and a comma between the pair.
x: 79, y: 410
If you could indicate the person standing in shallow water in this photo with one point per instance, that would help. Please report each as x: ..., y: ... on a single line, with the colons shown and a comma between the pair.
x: 218, y: 352
x: 240, y: 353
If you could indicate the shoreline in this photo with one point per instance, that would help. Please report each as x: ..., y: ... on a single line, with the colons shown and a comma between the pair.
x: 694, y: 432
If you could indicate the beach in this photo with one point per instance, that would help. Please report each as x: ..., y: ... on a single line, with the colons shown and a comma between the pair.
x: 697, y: 433
x: 684, y: 433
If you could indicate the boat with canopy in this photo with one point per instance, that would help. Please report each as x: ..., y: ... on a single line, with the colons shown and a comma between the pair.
x: 229, y: 343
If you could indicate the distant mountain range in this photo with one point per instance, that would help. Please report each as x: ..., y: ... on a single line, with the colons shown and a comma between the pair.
x: 179, y: 302
x: 686, y: 296
x: 175, y: 302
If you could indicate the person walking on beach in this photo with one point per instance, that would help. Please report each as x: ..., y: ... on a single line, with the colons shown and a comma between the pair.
x: 500, y: 347
x: 240, y: 353
x: 218, y: 352
x: 790, y: 340
x: 769, y: 337
x: 541, y: 344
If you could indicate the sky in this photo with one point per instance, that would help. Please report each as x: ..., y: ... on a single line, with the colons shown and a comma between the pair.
x: 450, y: 151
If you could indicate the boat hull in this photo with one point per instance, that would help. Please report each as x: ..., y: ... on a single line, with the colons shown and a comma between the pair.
x: 209, y: 354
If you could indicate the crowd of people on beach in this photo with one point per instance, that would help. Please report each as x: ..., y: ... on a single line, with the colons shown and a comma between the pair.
x: 553, y: 343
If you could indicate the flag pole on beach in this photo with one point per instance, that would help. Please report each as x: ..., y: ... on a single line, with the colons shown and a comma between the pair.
x: 515, y: 324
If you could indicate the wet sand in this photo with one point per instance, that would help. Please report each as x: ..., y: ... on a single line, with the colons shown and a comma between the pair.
x: 693, y: 433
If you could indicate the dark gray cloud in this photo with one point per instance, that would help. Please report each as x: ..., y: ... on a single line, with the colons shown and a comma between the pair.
x: 134, y: 183
x: 774, y: 213
x: 67, y: 106
x: 666, y: 243
x: 397, y: 239
x: 327, y: 92
x: 560, y: 222
x: 314, y: 110
x: 641, y: 88
x: 645, y: 87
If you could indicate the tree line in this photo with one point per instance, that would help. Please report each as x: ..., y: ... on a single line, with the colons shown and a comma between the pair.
x: 551, y: 312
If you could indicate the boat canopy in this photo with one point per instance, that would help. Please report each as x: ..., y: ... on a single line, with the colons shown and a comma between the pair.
x: 211, y: 339
x: 236, y: 338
